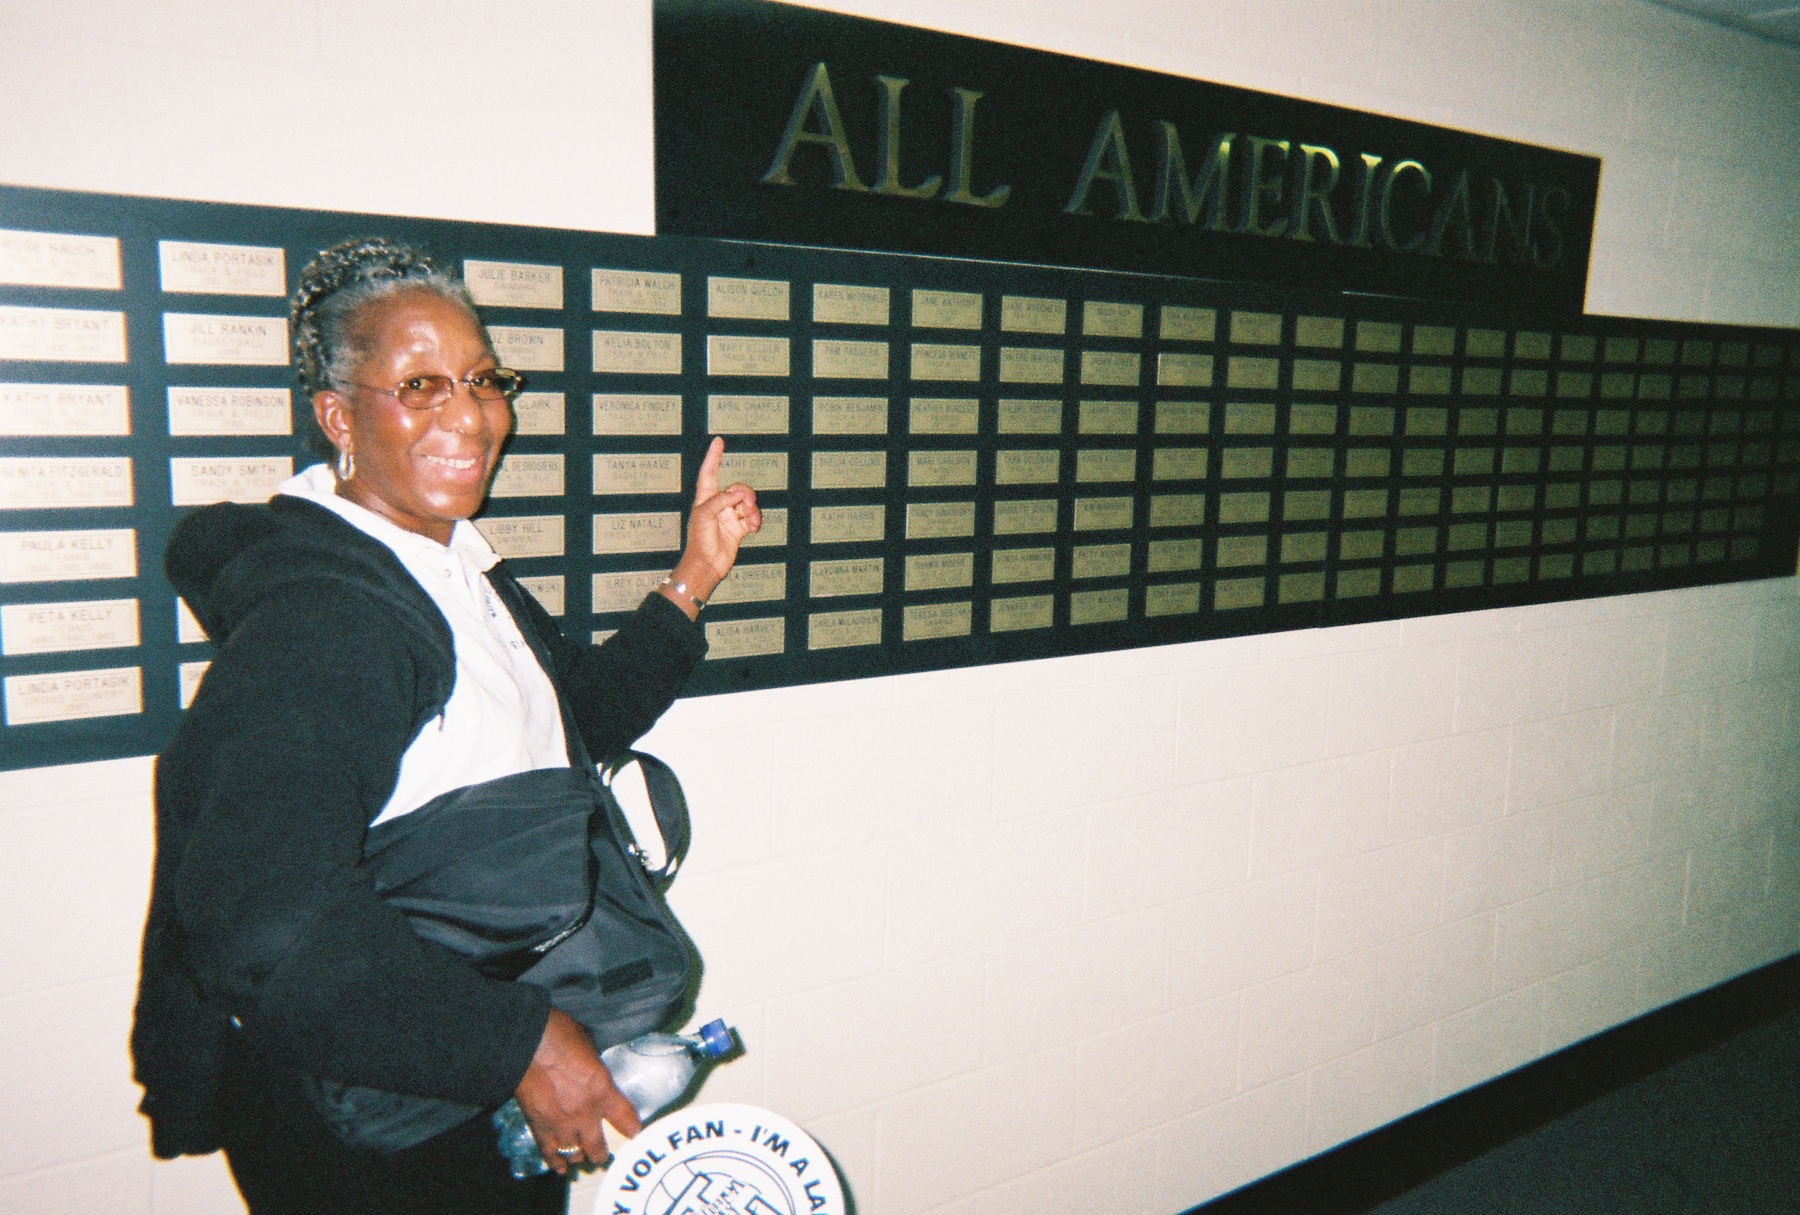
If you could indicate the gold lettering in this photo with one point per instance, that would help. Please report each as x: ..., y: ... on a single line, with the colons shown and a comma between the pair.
x: 1207, y: 189
x: 962, y: 155
x: 1365, y: 192
x: 1258, y: 186
x: 1518, y: 237
x: 1455, y: 209
x: 1312, y: 195
x: 1108, y: 159
x: 887, y: 146
x: 1545, y: 260
x: 815, y: 98
x: 1412, y: 244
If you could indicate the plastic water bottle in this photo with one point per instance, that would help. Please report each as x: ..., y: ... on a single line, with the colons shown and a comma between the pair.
x: 650, y: 1071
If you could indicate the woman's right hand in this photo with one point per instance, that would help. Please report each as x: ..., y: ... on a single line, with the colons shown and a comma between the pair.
x: 566, y: 1093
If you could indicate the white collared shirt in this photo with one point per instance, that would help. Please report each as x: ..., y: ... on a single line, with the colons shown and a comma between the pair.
x: 502, y: 716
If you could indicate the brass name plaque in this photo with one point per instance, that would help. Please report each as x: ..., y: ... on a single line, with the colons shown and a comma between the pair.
x: 747, y: 299
x: 774, y: 530
x: 838, y: 304
x: 31, y: 410
x: 847, y: 576
x: 550, y: 590
x: 622, y: 592
x: 836, y: 359
x: 1172, y: 599
x: 1109, y: 418
x: 523, y: 535
x: 1023, y: 565
x: 1103, y: 514
x: 751, y: 584
x: 629, y: 413
x: 1102, y: 561
x: 1105, y: 464
x: 931, y: 621
x: 68, y: 556
x: 745, y: 638
x: 939, y: 571
x: 59, y: 259
x: 1099, y: 607
x: 850, y: 415
x: 57, y: 628
x: 746, y: 415
x: 935, y: 468
x: 49, y: 482
x: 1175, y: 369
x: 523, y: 475
x: 937, y: 361
x: 202, y: 269
x: 1103, y: 319
x: 1020, y: 612
x: 510, y: 284
x: 837, y: 630
x: 528, y: 347
x: 848, y: 524
x: 944, y: 416
x: 1024, y: 516
x: 1030, y: 417
x: 1033, y: 314
x: 74, y: 695
x: 62, y: 335
x: 1028, y: 467
x: 198, y: 481
x: 647, y: 532
x: 939, y: 520
x: 1111, y: 368
x: 621, y: 352
x: 760, y: 470
x: 628, y: 474
x: 246, y: 341
x: 746, y: 356
x: 849, y: 469
x: 945, y: 309
x: 640, y: 291
x: 1031, y: 365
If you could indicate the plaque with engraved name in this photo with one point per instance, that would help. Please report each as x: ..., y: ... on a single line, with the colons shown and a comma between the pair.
x: 1031, y: 365
x: 728, y: 414
x: 845, y: 576
x: 622, y: 592
x: 939, y: 520
x: 939, y: 361
x: 528, y: 347
x: 1179, y: 510
x: 763, y: 471
x: 939, y: 571
x: 745, y: 638
x: 56, y: 628
x: 932, y: 621
x: 628, y: 413
x: 837, y: 630
x: 73, y: 695
x: 1105, y: 464
x: 548, y: 589
x: 1024, y: 517
x: 1023, y: 565
x: 1103, y: 514
x: 50, y: 482
x: 850, y: 415
x: 62, y: 335
x: 196, y: 481
x: 644, y: 532
x: 625, y: 353
x: 849, y: 469
x: 237, y: 341
x: 838, y: 304
x: 230, y: 411
x: 1100, y: 318
x: 1178, y: 464
x: 933, y: 468
x: 1030, y: 417
x: 836, y: 359
x: 630, y: 474
x: 751, y: 584
x: 1029, y: 467
x: 748, y: 356
x: 774, y: 530
x: 59, y: 259
x: 1172, y: 599
x: 747, y: 299
x: 1182, y: 417
x: 640, y: 291
x: 1168, y: 556
x: 1114, y: 368
x: 1181, y: 370
x: 1109, y: 417
x: 945, y: 309
x: 195, y: 268
x: 189, y: 675
x: 1020, y: 612
x: 523, y: 535
x: 1033, y: 314
x: 944, y: 415
x: 1101, y: 561
x: 68, y: 556
x: 1099, y: 607
x: 1184, y: 324
x: 32, y: 410
x: 528, y: 475
x: 513, y: 284
x: 848, y: 524
x: 538, y: 413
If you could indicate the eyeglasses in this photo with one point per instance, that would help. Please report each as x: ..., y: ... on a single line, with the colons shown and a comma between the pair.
x: 431, y: 391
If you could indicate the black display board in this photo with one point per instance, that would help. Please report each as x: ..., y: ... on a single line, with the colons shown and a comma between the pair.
x: 960, y: 462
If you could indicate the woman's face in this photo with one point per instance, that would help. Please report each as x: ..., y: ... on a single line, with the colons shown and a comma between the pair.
x: 422, y: 469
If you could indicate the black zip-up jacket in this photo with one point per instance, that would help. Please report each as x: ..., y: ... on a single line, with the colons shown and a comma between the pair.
x: 330, y: 660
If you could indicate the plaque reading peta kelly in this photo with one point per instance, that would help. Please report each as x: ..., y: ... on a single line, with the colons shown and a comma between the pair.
x: 53, y: 628
x: 523, y: 535
x: 59, y: 259
x: 68, y: 556
x: 48, y: 482
x: 513, y: 284
x: 230, y: 411
x: 64, y: 409
x: 62, y: 335
x: 191, y: 268
x: 73, y: 695
x: 641, y: 291
x: 244, y: 341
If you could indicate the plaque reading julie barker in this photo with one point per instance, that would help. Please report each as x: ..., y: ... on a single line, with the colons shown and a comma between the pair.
x: 763, y: 471
x: 528, y: 347
x: 199, y: 481
x: 50, y: 482
x: 939, y: 571
x: 746, y: 415
x: 943, y: 415
x: 749, y: 356
x: 939, y: 520
x: 191, y: 268
x: 849, y: 469
x: 239, y: 341
x: 623, y: 592
x: 938, y: 361
x: 628, y: 413
x: 745, y: 638
x: 523, y: 535
x: 28, y: 410
x: 523, y: 475
x: 945, y: 309
x: 513, y: 284
x: 641, y: 291
x: 931, y: 621
x: 1031, y: 365
x: 850, y: 415
x: 935, y: 468
x: 624, y: 353
x: 848, y: 524
x: 837, y: 630
x: 747, y: 299
x: 539, y: 413
x: 1033, y: 314
x: 834, y: 359
x: 628, y: 474
x: 68, y: 556
x: 837, y: 304
x: 62, y: 335
x: 751, y: 584
x: 73, y: 695
x: 646, y: 532
x: 59, y: 259
x: 55, y: 628
x: 849, y: 576
x: 230, y: 411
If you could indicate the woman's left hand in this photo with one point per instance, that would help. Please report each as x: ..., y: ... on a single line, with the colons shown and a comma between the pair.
x: 718, y: 523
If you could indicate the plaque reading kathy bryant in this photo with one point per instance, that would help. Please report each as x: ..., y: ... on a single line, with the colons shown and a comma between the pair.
x: 625, y: 353
x: 628, y: 474
x: 54, y: 628
x: 837, y: 304
x: 746, y: 415
x: 749, y: 356
x: 648, y: 532
x: 528, y: 348
x: 230, y: 411
x: 747, y: 299
x: 191, y: 268
x: 628, y: 413
x: 241, y: 341
x: 73, y: 695
x: 68, y: 556
x: 523, y: 535
x: 745, y: 638
x: 59, y: 259
x: 837, y: 359
x: 49, y: 482
x: 29, y: 410
x: 848, y: 524
x: 641, y: 291
x: 199, y: 481
x: 523, y: 475
x: 62, y: 335
x: 513, y: 284
x: 850, y: 415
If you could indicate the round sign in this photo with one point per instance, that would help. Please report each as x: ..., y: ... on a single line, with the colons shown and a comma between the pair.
x: 721, y: 1159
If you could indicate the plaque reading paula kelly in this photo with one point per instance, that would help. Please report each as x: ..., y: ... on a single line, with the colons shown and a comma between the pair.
x: 848, y: 524
x: 746, y: 414
x: 513, y: 284
x: 51, y: 482
x: 631, y: 413
x: 750, y: 583
x: 195, y: 268
x: 68, y: 556
x: 837, y: 630
x: 230, y: 411
x: 32, y: 410
x: 59, y: 259
x: 73, y: 695
x: 240, y: 341
x: 649, y: 293
x: 538, y: 413
x: 747, y: 299
x: 523, y: 535
x: 850, y: 415
x: 645, y: 532
x: 626, y: 353
x: 932, y: 621
x: 55, y: 628
x: 528, y: 347
x: 197, y: 481
x: 745, y: 638
x: 528, y: 475
x: 637, y: 474
x: 62, y: 335
x: 841, y: 304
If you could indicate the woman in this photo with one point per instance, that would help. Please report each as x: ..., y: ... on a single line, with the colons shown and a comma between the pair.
x: 372, y: 656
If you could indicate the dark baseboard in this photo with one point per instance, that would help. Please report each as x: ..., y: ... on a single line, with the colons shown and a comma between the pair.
x: 1389, y: 1161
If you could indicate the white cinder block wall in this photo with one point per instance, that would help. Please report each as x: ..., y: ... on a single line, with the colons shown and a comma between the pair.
x: 1102, y: 935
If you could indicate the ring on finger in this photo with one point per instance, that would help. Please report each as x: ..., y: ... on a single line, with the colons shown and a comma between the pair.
x: 568, y: 1153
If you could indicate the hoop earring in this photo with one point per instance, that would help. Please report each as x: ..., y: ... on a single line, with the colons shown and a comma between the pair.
x: 346, y: 464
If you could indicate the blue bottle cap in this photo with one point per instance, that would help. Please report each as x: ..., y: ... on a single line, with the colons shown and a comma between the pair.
x: 716, y: 1038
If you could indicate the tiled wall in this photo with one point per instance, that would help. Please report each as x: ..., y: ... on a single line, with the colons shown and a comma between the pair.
x: 1106, y: 934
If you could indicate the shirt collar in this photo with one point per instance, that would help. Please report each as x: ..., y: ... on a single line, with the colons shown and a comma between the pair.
x: 318, y: 485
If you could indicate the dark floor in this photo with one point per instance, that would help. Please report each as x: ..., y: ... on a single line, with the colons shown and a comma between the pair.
x: 1717, y: 1133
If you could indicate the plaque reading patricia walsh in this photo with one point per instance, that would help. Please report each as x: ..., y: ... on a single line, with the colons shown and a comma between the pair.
x: 650, y: 293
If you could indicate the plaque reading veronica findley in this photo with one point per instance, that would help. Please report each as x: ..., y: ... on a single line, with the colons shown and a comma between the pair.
x: 626, y: 413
